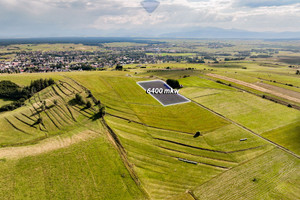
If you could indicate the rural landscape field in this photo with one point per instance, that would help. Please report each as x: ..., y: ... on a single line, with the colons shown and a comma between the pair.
x: 76, y: 122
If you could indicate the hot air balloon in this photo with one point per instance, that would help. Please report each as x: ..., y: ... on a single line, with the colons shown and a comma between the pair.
x: 150, y: 5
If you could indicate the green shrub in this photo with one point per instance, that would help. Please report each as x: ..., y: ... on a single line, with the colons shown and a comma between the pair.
x: 88, y: 104
x: 173, y: 83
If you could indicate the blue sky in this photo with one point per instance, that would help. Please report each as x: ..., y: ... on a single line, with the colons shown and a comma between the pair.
x: 44, y: 18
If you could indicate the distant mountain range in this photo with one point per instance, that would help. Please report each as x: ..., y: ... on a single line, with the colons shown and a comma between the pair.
x: 211, y: 32
x: 188, y: 32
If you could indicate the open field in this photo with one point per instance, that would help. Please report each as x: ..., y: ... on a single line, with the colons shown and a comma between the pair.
x: 5, y: 101
x: 259, y: 88
x: 67, y: 156
x: 286, y: 92
x: 20, y: 126
x: 167, y: 140
x: 253, y: 112
x: 140, y: 149
x: 171, y: 54
x: 48, y: 47
x: 256, y: 179
x: 83, y: 170
x: 287, y: 136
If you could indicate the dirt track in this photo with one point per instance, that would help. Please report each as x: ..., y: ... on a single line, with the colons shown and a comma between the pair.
x: 45, y: 146
x: 256, y: 87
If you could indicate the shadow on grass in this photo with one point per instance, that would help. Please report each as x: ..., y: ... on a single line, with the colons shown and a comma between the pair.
x: 96, y: 116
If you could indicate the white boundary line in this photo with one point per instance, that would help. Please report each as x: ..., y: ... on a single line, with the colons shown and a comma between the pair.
x: 188, y: 100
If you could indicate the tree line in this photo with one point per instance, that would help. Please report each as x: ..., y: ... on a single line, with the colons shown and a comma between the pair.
x: 12, y: 91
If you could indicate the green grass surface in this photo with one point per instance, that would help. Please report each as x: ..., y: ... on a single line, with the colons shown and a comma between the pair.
x: 287, y: 136
x: 19, y: 126
x: 171, y: 54
x: 256, y: 113
x: 4, y: 102
x: 48, y: 47
x: 154, y: 137
x: 258, y: 179
x: 87, y: 170
x: 154, y: 151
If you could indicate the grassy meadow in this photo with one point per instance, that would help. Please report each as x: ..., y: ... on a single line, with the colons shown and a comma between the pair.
x: 71, y: 155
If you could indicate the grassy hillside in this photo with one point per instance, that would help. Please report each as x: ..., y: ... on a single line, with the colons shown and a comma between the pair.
x: 51, y: 105
x: 66, y: 156
x: 257, y: 179
x: 273, y: 121
x: 90, y: 169
x: 156, y: 137
x: 156, y: 144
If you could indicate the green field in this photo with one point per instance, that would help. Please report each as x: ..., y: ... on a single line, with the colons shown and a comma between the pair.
x: 140, y: 153
x: 171, y: 54
x: 256, y: 179
x: 48, y: 47
x: 86, y: 170
x: 5, y: 101
x: 169, y: 133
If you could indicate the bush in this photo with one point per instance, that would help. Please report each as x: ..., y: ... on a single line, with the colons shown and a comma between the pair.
x: 88, y: 104
x: 79, y: 99
x: 102, y: 110
x: 197, y: 134
x: 119, y: 67
x: 39, y: 120
x: 173, y: 83
x: 98, y: 102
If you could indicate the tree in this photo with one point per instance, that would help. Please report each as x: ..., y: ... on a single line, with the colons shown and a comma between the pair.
x: 79, y: 99
x: 173, y: 83
x: 102, y: 111
x: 39, y: 120
x: 197, y: 134
x: 55, y: 102
x: 298, y: 72
x: 119, y: 67
x: 88, y: 104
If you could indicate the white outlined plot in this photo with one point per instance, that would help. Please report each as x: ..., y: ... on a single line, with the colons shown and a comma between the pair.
x: 166, y: 99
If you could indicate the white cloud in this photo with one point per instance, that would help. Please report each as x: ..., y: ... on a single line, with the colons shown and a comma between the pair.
x: 89, y: 17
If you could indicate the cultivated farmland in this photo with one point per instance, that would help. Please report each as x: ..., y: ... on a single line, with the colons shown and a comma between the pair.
x: 99, y: 135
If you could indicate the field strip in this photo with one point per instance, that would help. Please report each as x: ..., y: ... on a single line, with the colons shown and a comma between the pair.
x: 213, y: 88
x: 295, y: 86
x: 198, y: 162
x: 24, y: 122
x: 285, y: 91
x: 16, y: 127
x: 247, y: 129
x: 206, y: 95
x: 148, y: 125
x: 218, y: 159
x: 190, y: 146
x: 27, y: 117
x: 240, y: 164
x: 113, y: 138
x: 255, y: 87
x: 69, y: 85
x: 46, y: 145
